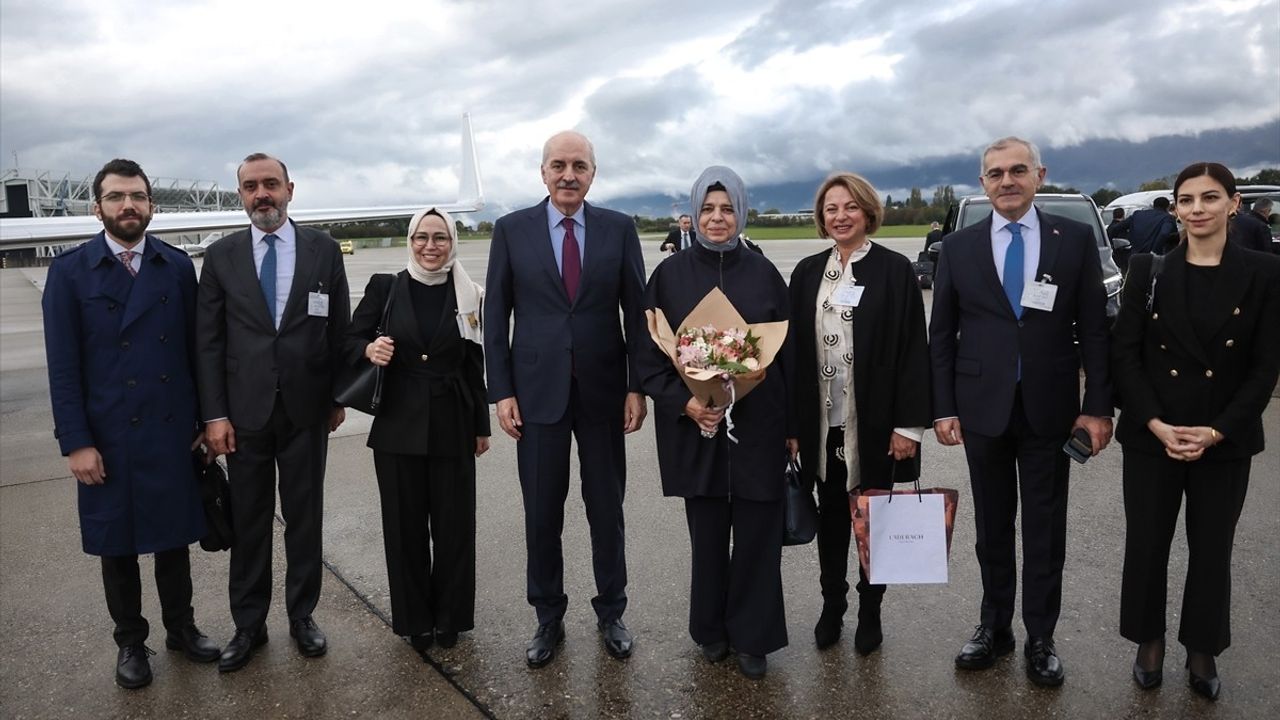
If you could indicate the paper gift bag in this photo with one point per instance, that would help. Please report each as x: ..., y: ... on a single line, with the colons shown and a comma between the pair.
x: 904, y: 536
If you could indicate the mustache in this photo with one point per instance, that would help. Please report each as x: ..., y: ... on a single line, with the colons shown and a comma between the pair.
x: 569, y: 185
x: 263, y: 204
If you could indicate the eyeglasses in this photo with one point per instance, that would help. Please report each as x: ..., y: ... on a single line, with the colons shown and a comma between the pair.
x: 138, y: 198
x: 424, y: 239
x: 1017, y: 172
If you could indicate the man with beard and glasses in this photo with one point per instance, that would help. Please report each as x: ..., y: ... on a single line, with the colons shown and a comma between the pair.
x: 117, y: 313
x: 273, y: 310
x: 565, y: 267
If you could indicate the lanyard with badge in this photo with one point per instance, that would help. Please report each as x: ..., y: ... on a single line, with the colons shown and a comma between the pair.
x: 848, y: 292
x: 318, y: 302
x: 1040, y: 294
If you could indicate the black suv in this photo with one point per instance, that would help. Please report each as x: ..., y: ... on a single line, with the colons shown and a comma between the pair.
x: 1080, y: 208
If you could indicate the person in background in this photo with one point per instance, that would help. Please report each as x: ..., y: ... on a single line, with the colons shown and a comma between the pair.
x: 1195, y: 354
x: 1250, y: 228
x: 119, y: 313
x: 679, y: 238
x: 432, y: 425
x: 859, y: 342
x: 1149, y: 231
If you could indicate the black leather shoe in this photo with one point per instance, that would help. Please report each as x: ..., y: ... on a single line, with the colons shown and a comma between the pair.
x: 827, y: 632
x: 1206, y: 687
x: 133, y: 670
x: 446, y: 638
x: 1043, y: 666
x: 716, y: 651
x: 869, y: 635
x: 308, y: 637
x: 1147, y: 679
x: 422, y: 643
x: 542, y: 648
x: 617, y: 638
x: 753, y: 667
x: 984, y: 647
x: 239, y: 651
x: 1150, y: 652
x: 193, y: 643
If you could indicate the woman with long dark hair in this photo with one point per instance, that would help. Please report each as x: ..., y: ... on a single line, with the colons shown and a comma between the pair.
x: 1195, y: 355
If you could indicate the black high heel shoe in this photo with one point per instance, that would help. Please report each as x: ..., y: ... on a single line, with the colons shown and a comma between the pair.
x: 1148, y: 679
x: 1207, y: 687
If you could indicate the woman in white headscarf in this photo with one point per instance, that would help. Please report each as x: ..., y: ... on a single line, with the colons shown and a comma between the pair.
x: 730, y: 489
x: 433, y: 424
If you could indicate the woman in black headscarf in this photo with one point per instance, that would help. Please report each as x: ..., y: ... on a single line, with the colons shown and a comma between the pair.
x: 433, y: 424
x: 730, y: 488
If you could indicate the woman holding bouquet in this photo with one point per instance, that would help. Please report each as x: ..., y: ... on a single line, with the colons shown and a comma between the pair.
x: 730, y: 488
x: 433, y: 424
x: 1195, y: 353
x: 862, y: 384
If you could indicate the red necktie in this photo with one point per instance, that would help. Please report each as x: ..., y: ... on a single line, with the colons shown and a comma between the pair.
x: 571, y: 260
x: 126, y: 257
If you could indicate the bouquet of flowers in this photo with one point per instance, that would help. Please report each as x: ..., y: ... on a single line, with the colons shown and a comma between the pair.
x: 719, y: 355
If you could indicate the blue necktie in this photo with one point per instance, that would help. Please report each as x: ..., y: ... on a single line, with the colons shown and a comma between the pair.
x: 267, y: 277
x: 1013, y: 261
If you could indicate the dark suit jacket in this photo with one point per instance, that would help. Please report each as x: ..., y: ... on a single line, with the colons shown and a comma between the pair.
x: 673, y: 239
x: 121, y: 380
x: 1164, y: 371
x: 433, y: 396
x: 890, y: 362
x: 243, y: 359
x: 975, y: 339
x: 1251, y: 231
x: 552, y: 337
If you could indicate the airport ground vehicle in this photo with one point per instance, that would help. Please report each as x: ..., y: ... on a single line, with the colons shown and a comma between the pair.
x: 1080, y: 208
x: 347, y: 247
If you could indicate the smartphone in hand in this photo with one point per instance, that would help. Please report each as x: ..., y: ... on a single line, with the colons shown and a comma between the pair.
x: 1079, y: 446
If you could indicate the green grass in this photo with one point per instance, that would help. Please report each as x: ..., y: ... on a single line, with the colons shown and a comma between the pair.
x: 809, y: 232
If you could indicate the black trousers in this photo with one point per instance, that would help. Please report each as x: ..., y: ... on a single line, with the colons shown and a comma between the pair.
x: 429, y: 529
x: 736, y: 590
x: 1153, y: 490
x: 1002, y: 468
x: 299, y: 453
x: 122, y: 583
x: 542, y: 456
x: 835, y: 525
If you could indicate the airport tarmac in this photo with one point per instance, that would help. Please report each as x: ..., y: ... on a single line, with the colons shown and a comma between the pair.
x: 57, y: 656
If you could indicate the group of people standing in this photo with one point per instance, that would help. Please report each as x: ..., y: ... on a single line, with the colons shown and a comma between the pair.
x: 1018, y: 312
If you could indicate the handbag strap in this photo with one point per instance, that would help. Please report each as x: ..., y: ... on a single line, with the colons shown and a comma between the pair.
x: 386, y: 309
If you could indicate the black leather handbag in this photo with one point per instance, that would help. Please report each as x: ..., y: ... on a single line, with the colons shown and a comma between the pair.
x: 360, y: 386
x: 215, y: 496
x: 802, y: 509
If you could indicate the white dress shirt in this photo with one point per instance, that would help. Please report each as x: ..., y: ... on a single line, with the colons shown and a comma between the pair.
x: 286, y: 255
x: 1001, y: 237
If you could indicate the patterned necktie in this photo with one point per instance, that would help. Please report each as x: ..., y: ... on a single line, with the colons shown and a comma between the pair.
x: 1013, y: 262
x: 267, y: 276
x: 126, y: 257
x: 571, y: 260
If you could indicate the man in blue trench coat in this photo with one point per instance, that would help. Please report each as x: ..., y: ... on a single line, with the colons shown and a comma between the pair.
x: 118, y: 317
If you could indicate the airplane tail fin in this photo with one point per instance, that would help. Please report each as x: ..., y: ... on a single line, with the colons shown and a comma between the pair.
x: 470, y: 193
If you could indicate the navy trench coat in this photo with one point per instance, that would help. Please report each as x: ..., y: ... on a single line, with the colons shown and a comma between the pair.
x: 121, y: 379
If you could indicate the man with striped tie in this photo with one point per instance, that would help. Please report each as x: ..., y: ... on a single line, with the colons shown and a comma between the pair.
x: 273, y: 309
x: 117, y: 317
x: 1011, y: 296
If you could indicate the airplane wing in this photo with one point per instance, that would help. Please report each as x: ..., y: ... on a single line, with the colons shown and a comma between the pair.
x: 28, y: 232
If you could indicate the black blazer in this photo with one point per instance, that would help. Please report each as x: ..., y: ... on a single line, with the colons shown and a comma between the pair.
x: 1163, y: 371
x: 973, y: 334
x: 434, y: 395
x: 890, y: 363
x: 242, y: 358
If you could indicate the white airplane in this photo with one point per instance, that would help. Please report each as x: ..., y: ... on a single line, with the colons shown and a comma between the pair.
x: 29, y: 232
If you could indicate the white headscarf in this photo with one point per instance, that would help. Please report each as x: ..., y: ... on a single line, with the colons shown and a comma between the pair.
x: 469, y: 295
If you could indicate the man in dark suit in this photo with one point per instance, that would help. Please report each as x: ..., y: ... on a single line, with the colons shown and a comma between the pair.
x: 1249, y: 228
x: 1151, y: 230
x: 1011, y: 296
x: 117, y: 317
x: 679, y: 238
x: 565, y: 267
x: 273, y: 309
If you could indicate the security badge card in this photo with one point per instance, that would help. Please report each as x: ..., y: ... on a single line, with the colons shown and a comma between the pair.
x: 848, y: 294
x: 318, y: 303
x: 1040, y: 294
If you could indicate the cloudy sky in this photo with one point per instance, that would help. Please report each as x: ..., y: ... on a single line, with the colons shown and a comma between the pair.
x: 363, y: 99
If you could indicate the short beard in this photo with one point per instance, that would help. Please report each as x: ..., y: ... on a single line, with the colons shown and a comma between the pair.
x: 267, y: 218
x: 126, y: 236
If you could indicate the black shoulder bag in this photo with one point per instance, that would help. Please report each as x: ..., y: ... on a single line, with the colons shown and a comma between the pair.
x: 360, y: 386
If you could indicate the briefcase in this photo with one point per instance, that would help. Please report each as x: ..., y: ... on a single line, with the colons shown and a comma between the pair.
x: 215, y: 495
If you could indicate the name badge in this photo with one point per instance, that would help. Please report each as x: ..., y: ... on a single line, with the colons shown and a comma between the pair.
x: 847, y: 294
x: 1039, y: 295
x: 318, y: 304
